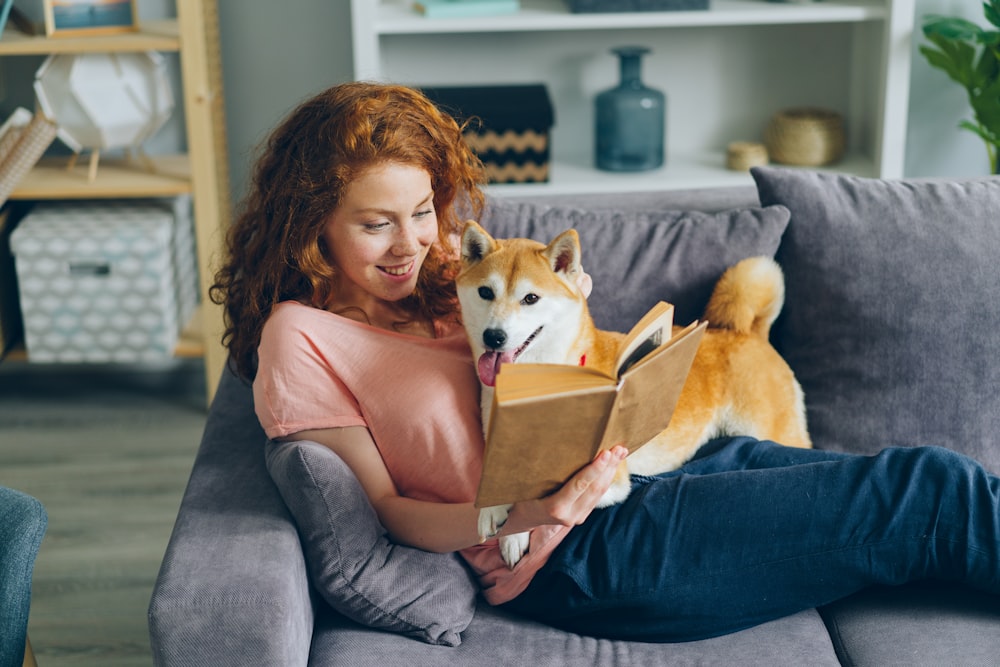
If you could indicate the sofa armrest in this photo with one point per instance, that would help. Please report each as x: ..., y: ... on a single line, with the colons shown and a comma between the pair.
x: 233, y: 586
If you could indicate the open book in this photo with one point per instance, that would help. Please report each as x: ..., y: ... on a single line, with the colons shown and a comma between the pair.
x: 550, y: 420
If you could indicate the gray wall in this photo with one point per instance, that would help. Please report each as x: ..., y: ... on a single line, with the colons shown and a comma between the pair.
x: 274, y: 55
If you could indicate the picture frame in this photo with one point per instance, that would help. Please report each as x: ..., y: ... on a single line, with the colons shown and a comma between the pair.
x: 72, y: 18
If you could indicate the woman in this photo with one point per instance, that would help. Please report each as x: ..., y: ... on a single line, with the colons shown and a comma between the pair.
x: 340, y: 304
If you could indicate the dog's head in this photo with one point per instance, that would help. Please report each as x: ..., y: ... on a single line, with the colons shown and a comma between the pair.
x: 520, y: 299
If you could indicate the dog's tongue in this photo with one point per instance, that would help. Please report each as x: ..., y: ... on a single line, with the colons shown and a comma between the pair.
x: 489, y: 366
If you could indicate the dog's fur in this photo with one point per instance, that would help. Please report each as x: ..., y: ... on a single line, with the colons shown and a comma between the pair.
x: 521, y: 303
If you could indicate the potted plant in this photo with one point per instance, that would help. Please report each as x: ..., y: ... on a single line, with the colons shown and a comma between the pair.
x: 970, y: 55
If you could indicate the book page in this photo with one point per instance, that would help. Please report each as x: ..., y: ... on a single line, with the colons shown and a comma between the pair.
x: 650, y: 332
x: 520, y: 381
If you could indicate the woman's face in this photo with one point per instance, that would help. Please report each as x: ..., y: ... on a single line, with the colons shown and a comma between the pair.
x: 380, y: 234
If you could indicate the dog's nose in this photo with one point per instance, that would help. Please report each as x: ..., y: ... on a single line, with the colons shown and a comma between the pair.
x: 494, y: 338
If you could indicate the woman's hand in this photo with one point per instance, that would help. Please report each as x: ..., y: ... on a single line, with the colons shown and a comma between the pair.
x: 574, y: 501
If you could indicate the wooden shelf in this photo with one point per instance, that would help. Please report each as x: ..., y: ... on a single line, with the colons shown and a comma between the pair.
x: 51, y: 179
x: 190, y: 345
x: 151, y: 36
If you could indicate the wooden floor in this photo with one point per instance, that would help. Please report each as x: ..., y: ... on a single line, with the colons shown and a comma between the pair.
x: 108, y: 452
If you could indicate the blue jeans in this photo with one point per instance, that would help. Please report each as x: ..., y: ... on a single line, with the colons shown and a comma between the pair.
x: 22, y: 525
x: 750, y: 531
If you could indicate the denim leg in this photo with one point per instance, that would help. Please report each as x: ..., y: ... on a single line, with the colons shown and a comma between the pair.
x: 22, y: 525
x: 749, y: 532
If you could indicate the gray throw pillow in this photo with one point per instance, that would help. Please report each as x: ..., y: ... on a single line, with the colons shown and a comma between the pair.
x: 637, y: 258
x: 353, y: 565
x: 892, y: 308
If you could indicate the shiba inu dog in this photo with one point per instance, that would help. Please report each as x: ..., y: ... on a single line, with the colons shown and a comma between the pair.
x: 521, y: 303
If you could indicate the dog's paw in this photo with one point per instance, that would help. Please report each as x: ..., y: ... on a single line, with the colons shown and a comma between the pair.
x: 513, y: 547
x: 616, y: 493
x: 491, y: 520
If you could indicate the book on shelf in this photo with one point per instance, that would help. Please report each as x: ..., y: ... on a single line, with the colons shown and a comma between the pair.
x: 24, y: 138
x: 550, y: 420
x: 449, y: 9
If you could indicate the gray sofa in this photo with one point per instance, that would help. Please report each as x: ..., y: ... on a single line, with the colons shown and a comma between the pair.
x: 891, y: 322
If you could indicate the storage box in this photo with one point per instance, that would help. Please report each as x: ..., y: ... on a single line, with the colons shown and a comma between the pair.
x: 587, y: 6
x: 106, y: 281
x: 509, y: 130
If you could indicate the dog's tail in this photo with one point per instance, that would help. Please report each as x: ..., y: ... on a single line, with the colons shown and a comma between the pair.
x: 748, y: 297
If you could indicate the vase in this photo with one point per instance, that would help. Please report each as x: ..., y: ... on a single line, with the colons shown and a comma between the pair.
x: 630, y: 119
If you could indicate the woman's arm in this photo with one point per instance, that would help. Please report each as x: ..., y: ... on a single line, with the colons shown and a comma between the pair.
x: 446, y: 527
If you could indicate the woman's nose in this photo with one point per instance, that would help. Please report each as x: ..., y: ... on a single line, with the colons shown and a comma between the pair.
x: 406, y: 242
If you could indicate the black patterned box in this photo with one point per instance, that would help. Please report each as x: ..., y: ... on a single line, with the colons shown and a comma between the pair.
x: 510, y: 128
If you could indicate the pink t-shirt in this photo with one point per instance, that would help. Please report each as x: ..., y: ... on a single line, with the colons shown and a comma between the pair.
x: 418, y: 397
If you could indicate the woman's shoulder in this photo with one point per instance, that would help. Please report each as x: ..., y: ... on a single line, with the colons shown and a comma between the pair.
x: 289, y: 319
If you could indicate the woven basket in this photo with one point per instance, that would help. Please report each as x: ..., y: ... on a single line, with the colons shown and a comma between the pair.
x: 805, y: 137
x: 741, y: 155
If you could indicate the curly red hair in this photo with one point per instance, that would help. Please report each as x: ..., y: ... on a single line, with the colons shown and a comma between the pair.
x: 273, y: 249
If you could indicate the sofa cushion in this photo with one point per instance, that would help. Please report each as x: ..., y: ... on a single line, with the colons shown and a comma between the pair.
x: 356, y: 569
x: 892, y: 308
x: 496, y: 637
x: 639, y: 257
x: 918, y: 624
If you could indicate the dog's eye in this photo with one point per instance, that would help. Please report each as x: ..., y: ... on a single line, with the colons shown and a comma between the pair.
x: 486, y: 294
x: 530, y: 299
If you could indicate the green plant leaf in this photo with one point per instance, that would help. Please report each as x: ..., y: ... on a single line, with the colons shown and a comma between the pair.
x: 992, y: 12
x: 951, y: 27
x: 987, y: 69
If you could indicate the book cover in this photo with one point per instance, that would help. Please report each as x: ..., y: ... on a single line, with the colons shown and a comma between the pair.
x: 448, y: 9
x: 549, y: 420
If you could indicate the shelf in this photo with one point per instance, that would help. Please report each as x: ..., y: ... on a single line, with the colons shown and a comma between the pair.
x: 681, y: 172
x: 151, y: 36
x: 50, y: 179
x: 190, y: 345
x: 547, y: 15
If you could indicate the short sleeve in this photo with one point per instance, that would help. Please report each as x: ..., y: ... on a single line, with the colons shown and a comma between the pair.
x: 297, y: 387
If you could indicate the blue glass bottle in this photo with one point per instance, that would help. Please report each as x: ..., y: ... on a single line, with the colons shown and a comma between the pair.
x: 630, y: 119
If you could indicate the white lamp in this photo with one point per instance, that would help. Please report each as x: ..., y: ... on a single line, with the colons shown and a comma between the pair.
x: 104, y: 101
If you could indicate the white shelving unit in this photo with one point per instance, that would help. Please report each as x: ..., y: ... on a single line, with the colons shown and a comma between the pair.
x: 724, y: 70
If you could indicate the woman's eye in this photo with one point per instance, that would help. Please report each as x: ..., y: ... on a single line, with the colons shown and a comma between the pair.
x: 376, y: 226
x: 530, y: 299
x: 423, y: 214
x: 486, y: 294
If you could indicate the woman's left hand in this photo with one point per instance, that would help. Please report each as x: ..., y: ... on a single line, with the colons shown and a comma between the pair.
x: 574, y: 501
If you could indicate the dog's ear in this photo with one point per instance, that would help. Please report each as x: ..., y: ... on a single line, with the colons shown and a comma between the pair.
x: 564, y: 253
x: 476, y: 243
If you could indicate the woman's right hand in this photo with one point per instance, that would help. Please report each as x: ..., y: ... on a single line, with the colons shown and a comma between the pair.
x: 574, y: 501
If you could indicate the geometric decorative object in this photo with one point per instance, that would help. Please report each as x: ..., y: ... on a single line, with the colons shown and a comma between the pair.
x: 103, y: 101
x: 105, y: 281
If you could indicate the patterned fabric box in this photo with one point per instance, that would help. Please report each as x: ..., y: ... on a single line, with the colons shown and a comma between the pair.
x: 509, y: 128
x: 105, y: 281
